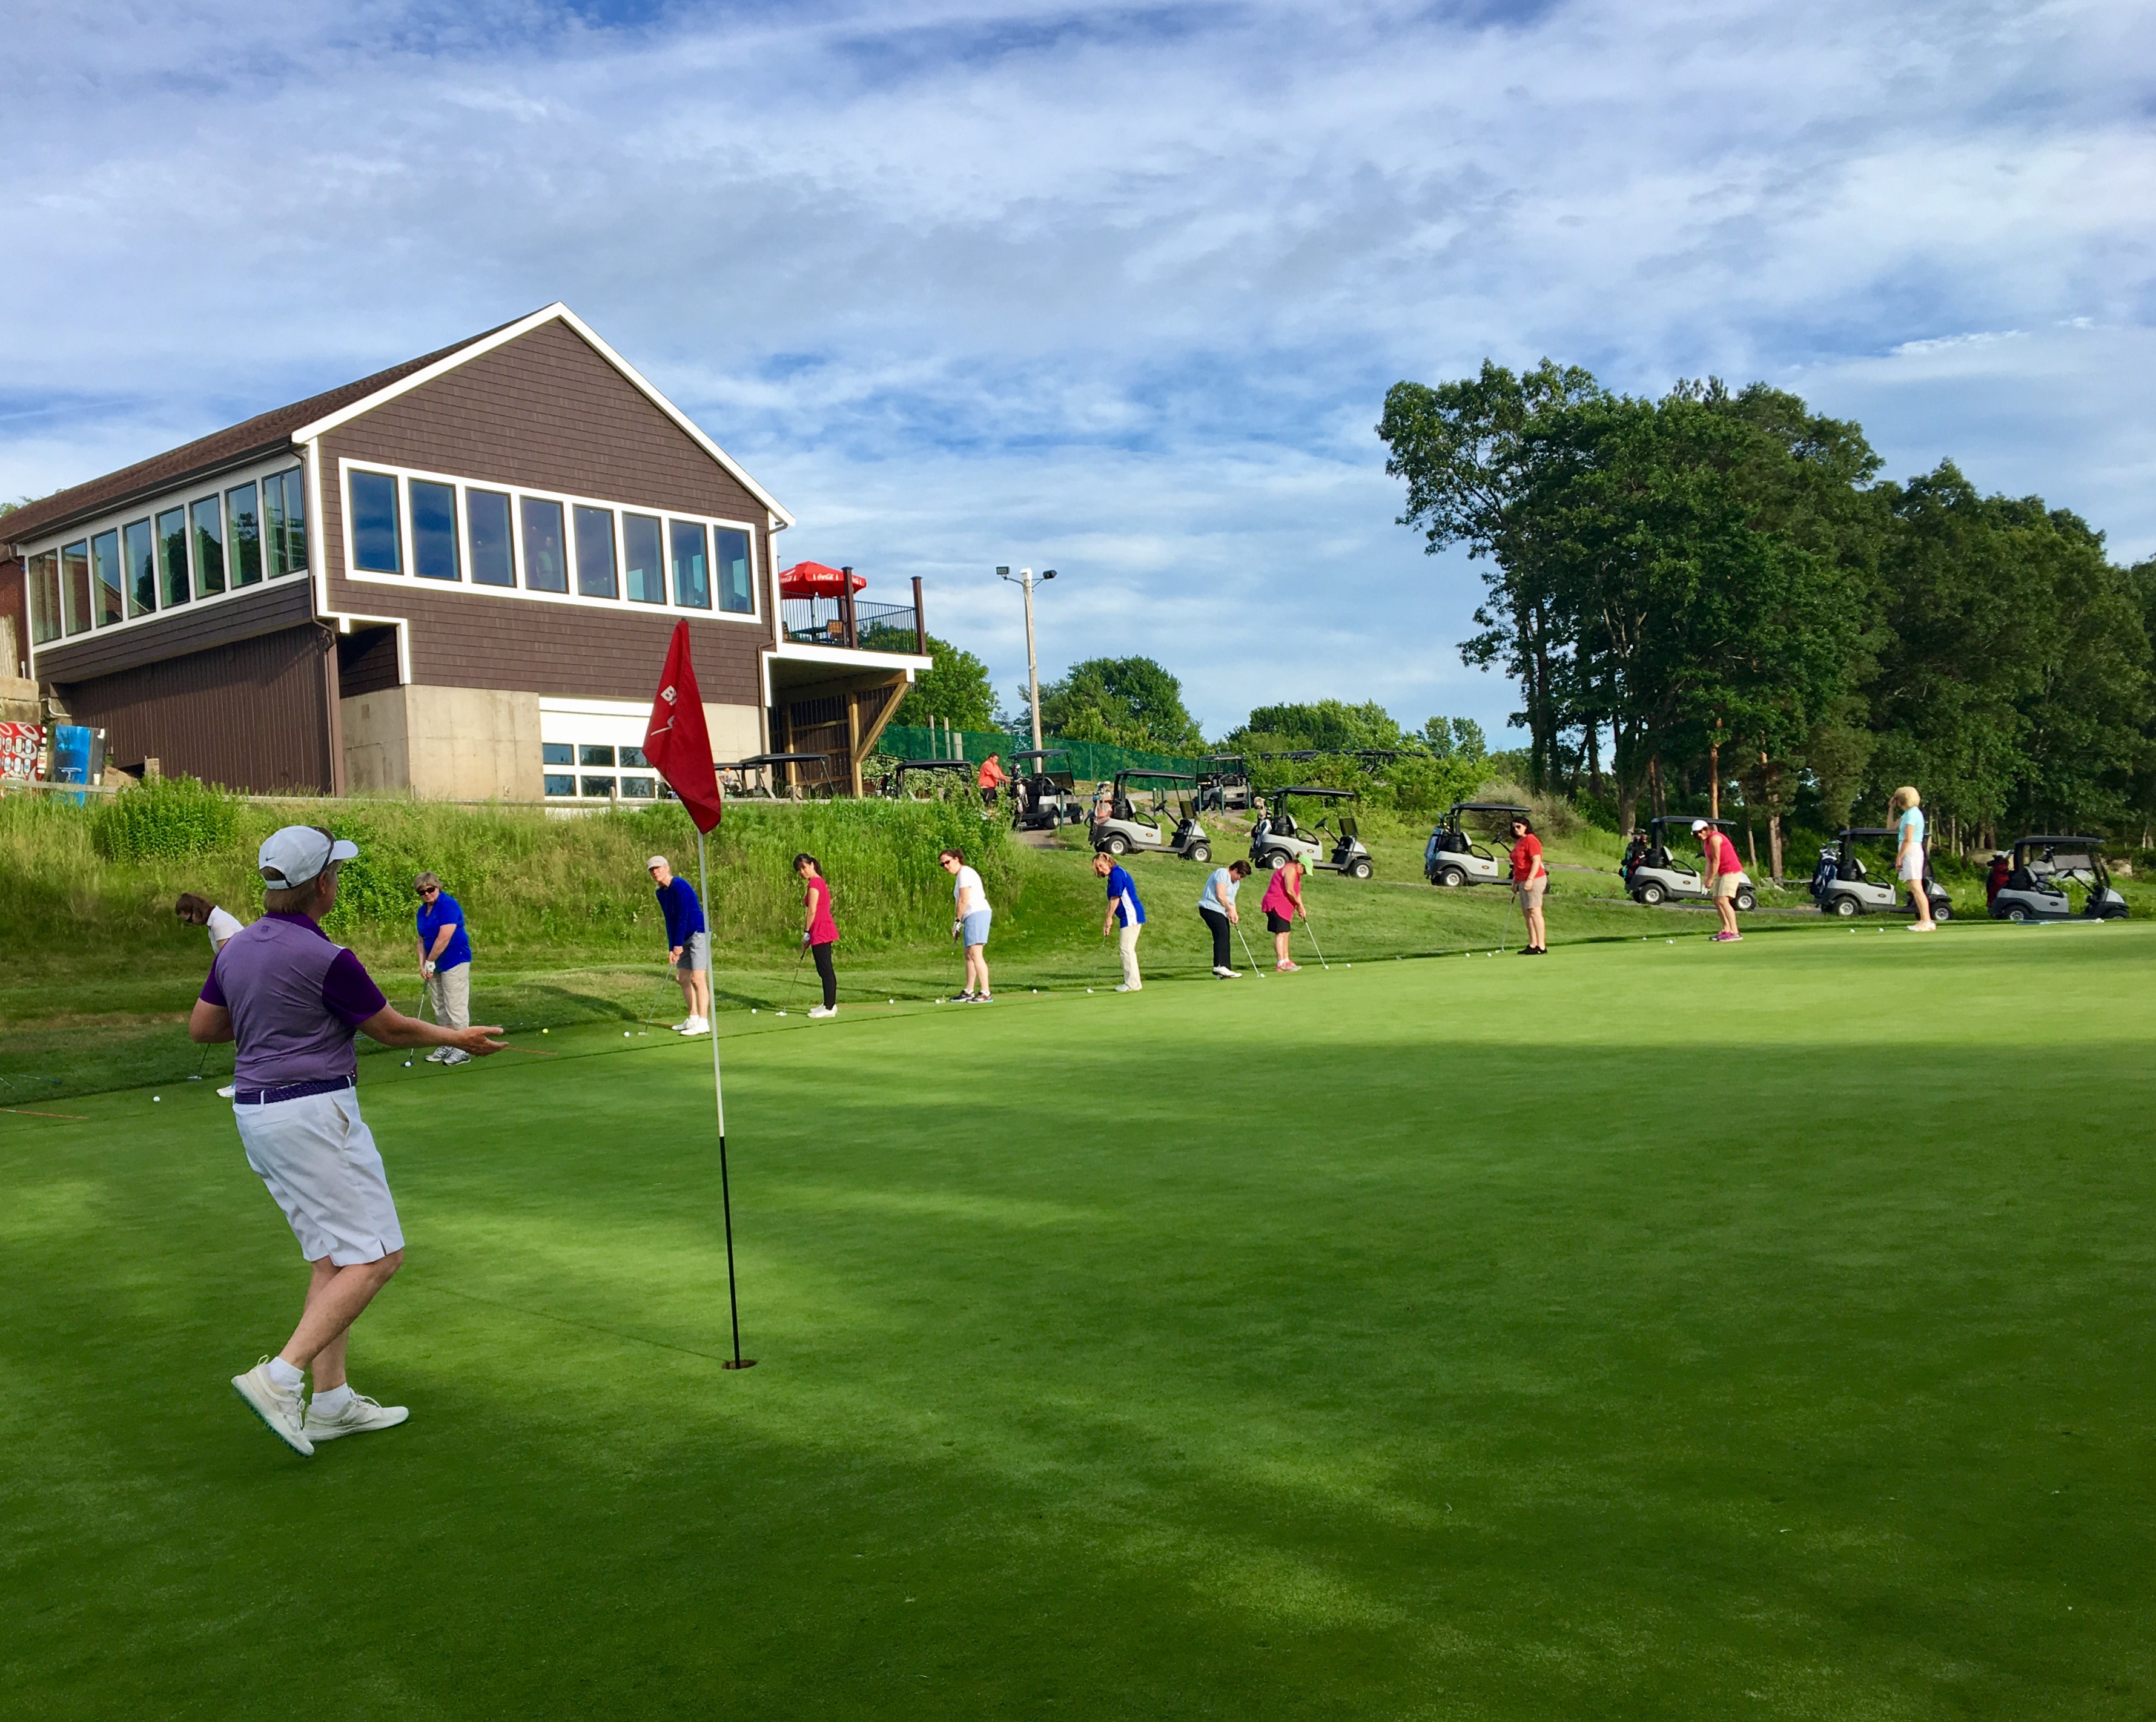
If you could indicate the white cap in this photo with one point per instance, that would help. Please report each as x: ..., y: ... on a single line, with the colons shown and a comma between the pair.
x: 297, y: 854
x: 1699, y: 825
x: 656, y: 861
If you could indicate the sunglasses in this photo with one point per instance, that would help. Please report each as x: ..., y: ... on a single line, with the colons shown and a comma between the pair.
x: 430, y: 890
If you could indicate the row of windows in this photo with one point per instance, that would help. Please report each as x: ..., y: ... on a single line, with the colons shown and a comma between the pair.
x: 197, y: 550
x: 635, y: 785
x: 416, y: 523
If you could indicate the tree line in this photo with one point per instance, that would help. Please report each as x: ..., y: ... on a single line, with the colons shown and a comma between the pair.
x: 1716, y: 592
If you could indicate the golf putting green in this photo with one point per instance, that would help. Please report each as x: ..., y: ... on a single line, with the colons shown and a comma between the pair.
x: 1653, y: 1330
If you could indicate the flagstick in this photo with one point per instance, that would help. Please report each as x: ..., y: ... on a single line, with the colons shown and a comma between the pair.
x: 719, y: 1096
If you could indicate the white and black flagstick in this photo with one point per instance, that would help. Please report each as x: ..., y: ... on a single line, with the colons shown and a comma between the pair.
x: 719, y: 1097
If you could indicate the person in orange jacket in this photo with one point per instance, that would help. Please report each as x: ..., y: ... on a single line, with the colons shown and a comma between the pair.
x: 991, y: 778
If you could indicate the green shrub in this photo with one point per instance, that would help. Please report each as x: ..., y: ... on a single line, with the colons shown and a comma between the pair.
x: 1554, y: 815
x: 164, y: 819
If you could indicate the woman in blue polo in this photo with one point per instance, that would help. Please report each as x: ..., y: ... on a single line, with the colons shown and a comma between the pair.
x: 1126, y: 913
x: 445, y: 963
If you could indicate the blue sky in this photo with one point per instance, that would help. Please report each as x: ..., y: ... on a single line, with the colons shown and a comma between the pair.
x: 1115, y: 289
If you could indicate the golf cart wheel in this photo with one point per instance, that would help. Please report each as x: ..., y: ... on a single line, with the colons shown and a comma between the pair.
x: 1275, y: 858
x: 1452, y: 879
x: 1200, y: 852
x: 1746, y: 902
x: 1650, y: 894
x: 2017, y: 914
x: 1942, y: 911
x: 1848, y: 907
x: 1361, y: 869
x: 1114, y: 844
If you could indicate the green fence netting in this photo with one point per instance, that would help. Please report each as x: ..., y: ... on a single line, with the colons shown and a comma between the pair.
x: 1091, y: 761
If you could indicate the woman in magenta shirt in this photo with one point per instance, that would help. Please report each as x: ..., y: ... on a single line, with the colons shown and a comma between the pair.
x: 1281, y: 903
x: 819, y: 932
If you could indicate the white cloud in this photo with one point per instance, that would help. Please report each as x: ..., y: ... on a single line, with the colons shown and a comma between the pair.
x: 1117, y: 289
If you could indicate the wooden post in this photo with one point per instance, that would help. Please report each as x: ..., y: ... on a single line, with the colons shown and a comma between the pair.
x: 919, y: 622
x: 848, y: 624
x: 854, y: 740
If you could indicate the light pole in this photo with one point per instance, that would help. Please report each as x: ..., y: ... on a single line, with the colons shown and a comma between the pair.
x: 1023, y: 579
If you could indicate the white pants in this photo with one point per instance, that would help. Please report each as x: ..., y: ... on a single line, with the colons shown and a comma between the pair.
x: 449, y: 991
x: 1126, y: 946
x: 318, y: 1158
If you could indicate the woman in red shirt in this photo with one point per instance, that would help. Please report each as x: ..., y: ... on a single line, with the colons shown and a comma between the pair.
x: 819, y: 932
x: 1530, y: 878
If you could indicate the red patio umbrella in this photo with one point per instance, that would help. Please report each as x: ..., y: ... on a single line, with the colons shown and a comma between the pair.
x: 814, y: 580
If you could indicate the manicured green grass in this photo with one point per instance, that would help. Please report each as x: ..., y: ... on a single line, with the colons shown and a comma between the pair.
x: 1657, y: 1330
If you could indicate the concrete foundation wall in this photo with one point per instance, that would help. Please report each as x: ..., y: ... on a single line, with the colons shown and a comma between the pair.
x: 446, y: 744
x: 736, y: 731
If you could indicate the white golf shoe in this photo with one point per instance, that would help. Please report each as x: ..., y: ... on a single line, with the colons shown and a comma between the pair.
x: 359, y: 1415
x: 822, y: 1010
x: 283, y: 1409
x: 440, y: 1055
x: 228, y: 1091
x: 455, y: 1055
x: 682, y: 1027
x: 696, y: 1025
x: 1227, y: 975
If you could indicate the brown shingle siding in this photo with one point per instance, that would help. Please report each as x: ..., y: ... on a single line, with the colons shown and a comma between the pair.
x: 190, y: 628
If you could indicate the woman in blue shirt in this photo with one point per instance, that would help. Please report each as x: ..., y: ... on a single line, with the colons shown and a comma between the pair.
x: 1908, y: 809
x: 445, y: 963
x: 1124, y: 911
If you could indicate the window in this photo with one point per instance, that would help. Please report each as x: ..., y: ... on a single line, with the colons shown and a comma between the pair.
x: 285, y: 522
x: 637, y: 788
x: 74, y: 586
x: 486, y: 535
x: 634, y: 756
x: 562, y: 785
x: 692, y: 582
x: 243, y: 527
x: 172, y: 555
x: 556, y: 753
x: 640, y: 557
x: 594, y: 755
x: 434, y: 530
x: 377, y: 547
x: 141, y: 570
x: 600, y: 786
x: 595, y: 553
x: 735, y: 593
x: 105, y: 578
x: 209, y: 546
x: 546, y: 562
x: 45, y: 581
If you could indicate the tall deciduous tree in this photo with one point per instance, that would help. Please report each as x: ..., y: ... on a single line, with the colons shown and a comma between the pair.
x: 1128, y: 702
x: 957, y: 689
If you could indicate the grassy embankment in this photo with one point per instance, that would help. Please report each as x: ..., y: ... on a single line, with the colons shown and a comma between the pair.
x: 96, y: 976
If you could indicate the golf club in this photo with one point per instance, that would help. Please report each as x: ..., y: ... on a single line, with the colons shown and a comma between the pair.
x: 199, y: 1063
x: 1310, y: 928
x: 1248, y: 956
x: 793, y: 991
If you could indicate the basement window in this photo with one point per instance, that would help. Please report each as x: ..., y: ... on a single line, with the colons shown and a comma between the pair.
x: 561, y: 784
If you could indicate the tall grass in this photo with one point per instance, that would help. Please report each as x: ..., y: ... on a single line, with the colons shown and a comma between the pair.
x: 523, y: 878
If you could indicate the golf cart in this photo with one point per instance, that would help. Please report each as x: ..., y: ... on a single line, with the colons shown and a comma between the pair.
x: 1843, y: 885
x: 2043, y: 867
x: 1224, y: 784
x: 1043, y: 797
x: 1144, y: 824
x: 1275, y: 840
x: 897, y: 787
x: 1452, y: 858
x: 1658, y: 876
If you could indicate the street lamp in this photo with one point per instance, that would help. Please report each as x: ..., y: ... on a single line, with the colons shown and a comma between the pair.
x: 1023, y: 579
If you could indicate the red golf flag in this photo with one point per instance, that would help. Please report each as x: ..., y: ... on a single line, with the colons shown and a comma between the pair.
x: 676, y: 742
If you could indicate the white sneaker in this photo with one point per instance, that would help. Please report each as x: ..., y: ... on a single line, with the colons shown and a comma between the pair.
x: 360, y: 1414
x: 440, y: 1055
x: 682, y: 1027
x: 455, y: 1055
x: 1227, y: 975
x: 822, y: 1010
x: 1130, y: 989
x: 228, y: 1091
x: 696, y: 1025
x: 283, y: 1409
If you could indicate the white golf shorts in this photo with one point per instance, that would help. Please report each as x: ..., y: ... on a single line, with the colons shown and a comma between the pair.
x: 1912, y: 869
x: 318, y: 1158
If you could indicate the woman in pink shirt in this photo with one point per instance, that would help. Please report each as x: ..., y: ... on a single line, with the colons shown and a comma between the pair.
x: 818, y: 931
x: 1722, y: 873
x: 1282, y: 903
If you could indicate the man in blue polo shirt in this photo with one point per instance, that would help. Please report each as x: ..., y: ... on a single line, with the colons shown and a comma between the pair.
x: 293, y: 1001
x: 1124, y: 911
x: 688, y: 944
x: 445, y: 963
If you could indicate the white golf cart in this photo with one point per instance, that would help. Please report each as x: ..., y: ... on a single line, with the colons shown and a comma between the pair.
x: 1659, y: 876
x: 1452, y: 858
x: 2043, y: 867
x: 1152, y: 820
x: 1276, y: 839
x: 1043, y: 795
x: 1844, y: 885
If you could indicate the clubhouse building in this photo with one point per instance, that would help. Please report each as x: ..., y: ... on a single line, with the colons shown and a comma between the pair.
x: 455, y: 578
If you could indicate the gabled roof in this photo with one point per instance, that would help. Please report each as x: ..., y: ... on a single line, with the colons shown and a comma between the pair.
x: 269, y: 432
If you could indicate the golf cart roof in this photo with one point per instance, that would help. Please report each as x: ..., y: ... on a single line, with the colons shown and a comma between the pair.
x: 1386, y: 754
x: 1129, y: 771
x: 1224, y: 759
x: 1689, y: 820
x: 2086, y: 843
x: 1331, y: 794
x: 1849, y: 831
x: 905, y: 766
x: 1044, y: 753
x: 1460, y: 808
x: 784, y: 759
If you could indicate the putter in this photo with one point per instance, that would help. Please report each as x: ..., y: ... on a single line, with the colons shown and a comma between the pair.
x: 793, y: 993
x: 199, y: 1063
x: 1248, y: 956
x: 1309, y: 928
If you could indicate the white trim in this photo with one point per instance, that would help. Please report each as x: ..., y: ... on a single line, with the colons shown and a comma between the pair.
x: 569, y: 706
x: 344, y: 620
x: 848, y: 657
x: 518, y: 494
x: 182, y: 497
x: 485, y: 344
x: 310, y: 467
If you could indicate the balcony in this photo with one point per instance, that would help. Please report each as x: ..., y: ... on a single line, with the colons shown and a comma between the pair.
x: 847, y: 622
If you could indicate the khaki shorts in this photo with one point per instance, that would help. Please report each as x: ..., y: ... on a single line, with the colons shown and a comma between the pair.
x: 1531, y: 896
x: 1725, y: 883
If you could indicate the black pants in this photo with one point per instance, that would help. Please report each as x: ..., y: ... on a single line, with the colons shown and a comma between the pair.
x: 822, y: 953
x: 1218, y: 923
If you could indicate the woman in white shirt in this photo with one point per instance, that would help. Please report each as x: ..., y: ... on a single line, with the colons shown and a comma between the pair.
x: 970, y: 921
